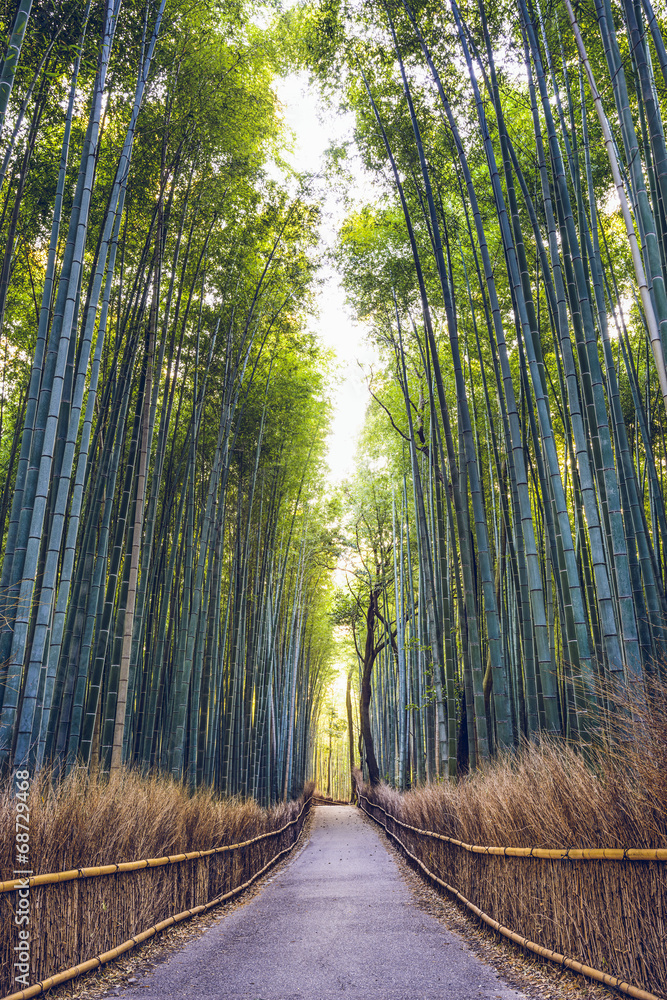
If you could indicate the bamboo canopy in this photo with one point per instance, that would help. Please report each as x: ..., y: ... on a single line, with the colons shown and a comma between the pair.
x: 512, y: 547
x: 162, y: 597
x: 166, y: 592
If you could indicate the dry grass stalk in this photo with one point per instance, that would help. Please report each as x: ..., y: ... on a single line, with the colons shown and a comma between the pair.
x: 607, y: 914
x: 85, y: 821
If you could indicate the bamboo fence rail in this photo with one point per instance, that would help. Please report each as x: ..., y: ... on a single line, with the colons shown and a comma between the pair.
x: 87, y: 911
x: 610, y: 911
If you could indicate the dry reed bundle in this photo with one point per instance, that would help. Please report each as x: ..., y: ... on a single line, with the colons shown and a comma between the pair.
x: 606, y: 914
x: 85, y: 821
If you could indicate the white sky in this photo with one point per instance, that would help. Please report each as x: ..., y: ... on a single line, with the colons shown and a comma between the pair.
x: 314, y: 127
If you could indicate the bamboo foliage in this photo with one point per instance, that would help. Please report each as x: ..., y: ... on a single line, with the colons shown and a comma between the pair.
x: 535, y: 536
x: 160, y: 605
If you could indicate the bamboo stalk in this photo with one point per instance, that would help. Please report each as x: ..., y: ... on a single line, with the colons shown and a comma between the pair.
x: 649, y: 312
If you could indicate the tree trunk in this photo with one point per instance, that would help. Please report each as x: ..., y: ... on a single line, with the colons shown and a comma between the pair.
x: 329, y: 767
x: 350, y: 734
x: 370, y: 653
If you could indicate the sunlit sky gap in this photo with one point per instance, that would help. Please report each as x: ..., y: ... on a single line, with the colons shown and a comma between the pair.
x: 315, y: 127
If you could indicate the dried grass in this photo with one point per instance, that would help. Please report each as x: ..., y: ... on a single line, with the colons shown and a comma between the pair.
x: 86, y: 821
x: 609, y: 915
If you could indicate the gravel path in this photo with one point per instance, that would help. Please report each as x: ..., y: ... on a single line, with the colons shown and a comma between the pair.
x: 338, y: 921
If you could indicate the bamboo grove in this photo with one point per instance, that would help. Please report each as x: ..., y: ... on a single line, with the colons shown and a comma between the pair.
x: 163, y: 407
x: 508, y: 517
x: 167, y: 540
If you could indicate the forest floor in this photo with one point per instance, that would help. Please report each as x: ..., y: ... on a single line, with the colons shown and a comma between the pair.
x: 345, y: 915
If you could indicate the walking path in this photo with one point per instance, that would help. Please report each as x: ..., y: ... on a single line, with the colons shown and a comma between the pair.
x: 338, y: 921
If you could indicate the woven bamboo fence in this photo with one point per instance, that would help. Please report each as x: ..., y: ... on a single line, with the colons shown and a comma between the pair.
x: 599, y: 912
x: 81, y: 915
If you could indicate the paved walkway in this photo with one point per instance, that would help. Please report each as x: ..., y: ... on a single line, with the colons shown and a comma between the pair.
x: 337, y: 922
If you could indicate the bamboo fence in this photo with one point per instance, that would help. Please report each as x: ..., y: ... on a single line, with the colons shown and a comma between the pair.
x: 606, y: 906
x: 84, y: 917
